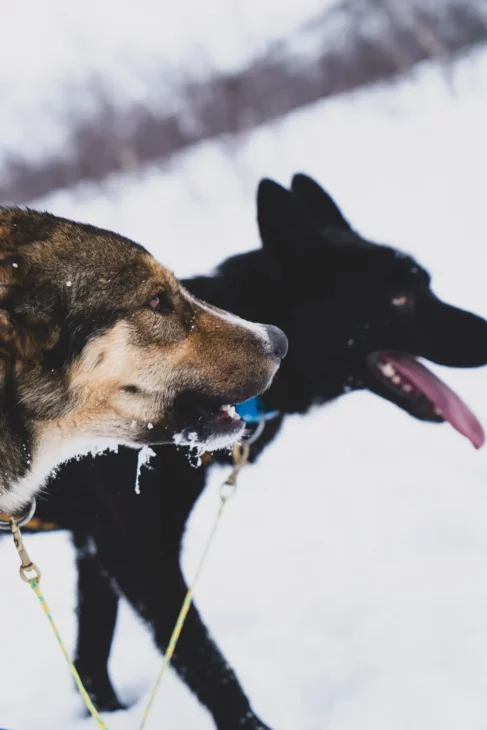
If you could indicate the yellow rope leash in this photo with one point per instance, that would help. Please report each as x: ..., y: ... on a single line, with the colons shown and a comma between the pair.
x: 27, y: 567
x: 240, y: 459
x: 84, y: 694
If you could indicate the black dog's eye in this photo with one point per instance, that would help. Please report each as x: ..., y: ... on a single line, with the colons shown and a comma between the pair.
x: 402, y: 301
x: 161, y: 303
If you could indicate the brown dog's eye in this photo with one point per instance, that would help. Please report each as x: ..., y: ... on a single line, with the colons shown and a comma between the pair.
x: 161, y: 303
x: 402, y: 301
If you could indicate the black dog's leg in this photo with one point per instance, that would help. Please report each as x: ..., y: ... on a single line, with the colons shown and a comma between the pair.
x: 207, y: 673
x: 97, y: 614
x: 198, y: 660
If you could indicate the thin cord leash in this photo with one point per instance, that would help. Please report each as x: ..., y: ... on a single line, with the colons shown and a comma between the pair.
x: 26, y: 569
x: 84, y: 694
x: 240, y: 459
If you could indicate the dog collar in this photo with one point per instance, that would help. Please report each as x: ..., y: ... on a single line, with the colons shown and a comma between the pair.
x: 254, y: 411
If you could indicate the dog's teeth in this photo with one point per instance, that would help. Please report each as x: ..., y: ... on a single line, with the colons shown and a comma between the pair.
x: 438, y: 411
x: 387, y: 369
x: 229, y: 410
x: 396, y: 379
x: 408, y: 388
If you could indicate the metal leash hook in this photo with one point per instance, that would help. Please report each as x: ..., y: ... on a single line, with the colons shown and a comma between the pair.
x: 5, y: 519
x: 240, y: 455
x: 27, y: 565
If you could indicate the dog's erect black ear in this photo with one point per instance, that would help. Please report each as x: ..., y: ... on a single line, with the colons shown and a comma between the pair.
x: 285, y: 228
x: 320, y: 206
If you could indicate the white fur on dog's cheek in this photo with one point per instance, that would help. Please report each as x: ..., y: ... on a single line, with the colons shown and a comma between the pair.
x: 257, y: 329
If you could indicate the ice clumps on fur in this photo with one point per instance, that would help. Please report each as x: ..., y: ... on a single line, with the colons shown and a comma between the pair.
x: 197, y: 448
x: 143, y: 458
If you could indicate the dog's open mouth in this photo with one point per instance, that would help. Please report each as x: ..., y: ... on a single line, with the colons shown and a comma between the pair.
x: 428, y: 397
x: 207, y: 422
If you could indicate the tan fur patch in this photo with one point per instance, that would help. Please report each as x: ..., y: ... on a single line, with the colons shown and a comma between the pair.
x: 108, y: 364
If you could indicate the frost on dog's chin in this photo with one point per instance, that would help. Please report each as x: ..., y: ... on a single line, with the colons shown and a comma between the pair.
x: 82, y: 450
x: 199, y: 446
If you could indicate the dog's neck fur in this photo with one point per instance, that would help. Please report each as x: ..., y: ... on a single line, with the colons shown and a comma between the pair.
x: 37, y: 461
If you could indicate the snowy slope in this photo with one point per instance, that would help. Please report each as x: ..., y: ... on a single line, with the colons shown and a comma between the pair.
x: 348, y: 583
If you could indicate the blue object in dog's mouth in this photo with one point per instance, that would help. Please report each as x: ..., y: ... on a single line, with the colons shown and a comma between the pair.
x: 253, y: 411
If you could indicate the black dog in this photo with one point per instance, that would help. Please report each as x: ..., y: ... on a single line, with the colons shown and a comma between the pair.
x: 356, y: 315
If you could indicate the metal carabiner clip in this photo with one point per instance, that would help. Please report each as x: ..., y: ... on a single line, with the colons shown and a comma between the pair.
x: 5, y: 520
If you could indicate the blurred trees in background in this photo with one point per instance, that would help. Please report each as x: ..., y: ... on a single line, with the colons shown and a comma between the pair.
x: 350, y: 45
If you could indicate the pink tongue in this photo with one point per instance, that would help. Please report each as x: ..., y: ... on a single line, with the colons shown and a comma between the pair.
x: 451, y: 406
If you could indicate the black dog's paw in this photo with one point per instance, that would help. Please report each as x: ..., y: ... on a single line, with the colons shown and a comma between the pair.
x: 101, y: 692
x: 111, y: 704
x: 108, y: 704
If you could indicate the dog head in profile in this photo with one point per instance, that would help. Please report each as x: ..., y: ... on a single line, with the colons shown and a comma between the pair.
x: 358, y: 314
x: 373, y: 306
x: 99, y: 343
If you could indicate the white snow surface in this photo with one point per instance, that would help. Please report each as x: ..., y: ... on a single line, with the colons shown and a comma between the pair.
x: 348, y: 582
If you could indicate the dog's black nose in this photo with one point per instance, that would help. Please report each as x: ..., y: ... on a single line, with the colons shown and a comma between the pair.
x: 278, y: 341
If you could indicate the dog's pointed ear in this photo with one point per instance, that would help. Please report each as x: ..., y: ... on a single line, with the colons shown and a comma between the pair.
x: 318, y: 203
x: 284, y: 226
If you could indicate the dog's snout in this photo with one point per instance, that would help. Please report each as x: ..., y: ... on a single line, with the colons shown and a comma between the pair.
x: 278, y: 341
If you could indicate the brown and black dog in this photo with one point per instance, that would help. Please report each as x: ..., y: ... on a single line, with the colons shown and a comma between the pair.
x: 101, y: 345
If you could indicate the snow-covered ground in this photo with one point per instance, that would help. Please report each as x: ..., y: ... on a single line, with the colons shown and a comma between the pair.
x: 348, y: 583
